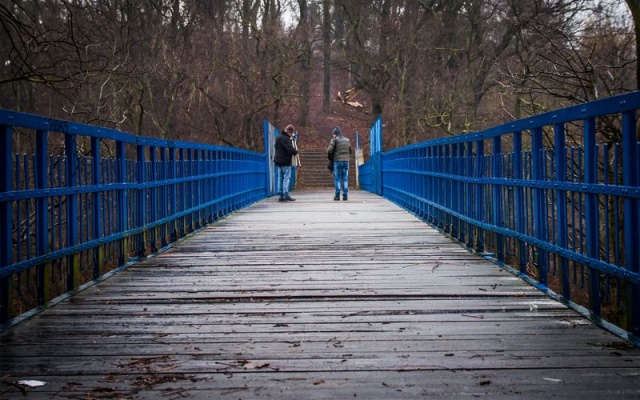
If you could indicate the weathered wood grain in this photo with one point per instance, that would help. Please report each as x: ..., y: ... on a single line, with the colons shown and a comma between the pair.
x: 316, y: 299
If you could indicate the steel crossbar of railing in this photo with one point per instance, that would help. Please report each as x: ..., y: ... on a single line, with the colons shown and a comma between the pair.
x: 78, y: 201
x: 556, y: 196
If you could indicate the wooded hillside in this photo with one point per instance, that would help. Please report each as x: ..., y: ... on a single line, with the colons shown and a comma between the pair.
x: 211, y: 71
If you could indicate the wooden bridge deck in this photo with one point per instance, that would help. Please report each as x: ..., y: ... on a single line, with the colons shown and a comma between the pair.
x: 315, y: 299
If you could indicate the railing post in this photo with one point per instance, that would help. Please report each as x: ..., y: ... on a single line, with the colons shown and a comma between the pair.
x: 96, y: 197
x: 539, y: 203
x: 591, y: 212
x: 631, y: 214
x: 164, y: 193
x: 211, y: 181
x: 153, y: 198
x: 460, y: 190
x: 217, y: 192
x: 561, y: 206
x: 479, y: 174
x: 375, y: 150
x: 497, y: 196
x: 122, y: 201
x: 439, y: 189
x: 141, y: 217
x: 197, y: 195
x: 71, y: 170
x: 189, y: 191
x: 182, y: 192
x: 470, y: 195
x: 518, y: 169
x: 6, y: 223
x: 447, y: 193
x: 268, y: 155
x: 42, y: 221
x: 173, y: 203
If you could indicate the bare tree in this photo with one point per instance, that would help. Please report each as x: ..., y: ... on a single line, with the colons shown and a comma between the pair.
x: 305, y: 62
x: 634, y: 6
x: 326, y: 56
x: 562, y: 58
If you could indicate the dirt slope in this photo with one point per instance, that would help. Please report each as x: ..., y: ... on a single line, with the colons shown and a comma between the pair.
x: 317, y: 135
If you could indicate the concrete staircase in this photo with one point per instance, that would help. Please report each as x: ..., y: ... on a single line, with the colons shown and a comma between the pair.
x: 314, y: 172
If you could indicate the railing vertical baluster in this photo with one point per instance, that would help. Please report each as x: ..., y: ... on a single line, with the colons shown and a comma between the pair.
x: 190, y: 192
x: 458, y: 195
x: 211, y: 185
x: 446, y: 192
x: 606, y: 213
x: 27, y: 207
x: 453, y: 186
x: 153, y: 199
x: 164, y: 201
x: 539, y: 202
x: 216, y: 183
x: 198, y: 195
x: 141, y: 217
x: 562, y: 223
x: 591, y: 212
x: 6, y: 223
x: 122, y: 201
x: 71, y: 170
x: 616, y: 208
x: 470, y: 195
x: 42, y: 222
x: 518, y: 167
x: 498, y: 199
x: 61, y: 235
x: 631, y: 178
x: 224, y: 180
x: 437, y: 185
x: 18, y: 210
x: 173, y: 194
x: 182, y: 192
x: 479, y: 176
x: 96, y: 180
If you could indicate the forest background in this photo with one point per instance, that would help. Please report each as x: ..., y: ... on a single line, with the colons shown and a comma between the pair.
x: 212, y: 70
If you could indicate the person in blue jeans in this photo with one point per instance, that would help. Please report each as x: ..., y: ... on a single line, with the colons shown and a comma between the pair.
x: 340, y: 147
x: 284, y: 152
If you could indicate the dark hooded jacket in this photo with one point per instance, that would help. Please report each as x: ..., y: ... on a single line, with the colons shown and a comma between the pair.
x: 284, y: 150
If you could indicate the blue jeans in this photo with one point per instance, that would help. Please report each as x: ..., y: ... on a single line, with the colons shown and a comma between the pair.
x: 341, y: 177
x: 284, y: 174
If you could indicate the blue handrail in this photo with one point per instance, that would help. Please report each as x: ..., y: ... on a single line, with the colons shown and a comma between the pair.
x: 91, y: 199
x: 566, y: 216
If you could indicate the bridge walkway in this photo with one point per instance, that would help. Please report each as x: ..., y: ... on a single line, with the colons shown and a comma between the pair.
x: 315, y: 299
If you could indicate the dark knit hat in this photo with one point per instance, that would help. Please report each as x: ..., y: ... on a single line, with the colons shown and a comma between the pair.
x: 336, y: 130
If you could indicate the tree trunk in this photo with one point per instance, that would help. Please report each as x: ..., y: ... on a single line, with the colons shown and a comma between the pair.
x: 326, y: 41
x: 305, y: 64
x: 634, y: 6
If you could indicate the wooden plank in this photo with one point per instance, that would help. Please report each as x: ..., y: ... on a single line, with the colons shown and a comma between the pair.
x: 316, y: 299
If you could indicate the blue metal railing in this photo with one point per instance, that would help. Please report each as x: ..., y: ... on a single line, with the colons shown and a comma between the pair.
x: 556, y: 196
x: 84, y: 200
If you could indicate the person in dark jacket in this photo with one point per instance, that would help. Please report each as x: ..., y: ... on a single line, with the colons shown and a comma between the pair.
x: 340, y: 148
x: 284, y: 153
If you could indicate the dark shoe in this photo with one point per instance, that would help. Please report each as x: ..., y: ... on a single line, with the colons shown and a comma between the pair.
x: 288, y: 198
x: 337, y: 198
x: 345, y: 197
x: 281, y: 199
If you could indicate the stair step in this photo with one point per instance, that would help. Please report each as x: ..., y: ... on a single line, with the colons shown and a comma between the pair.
x: 314, y: 171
